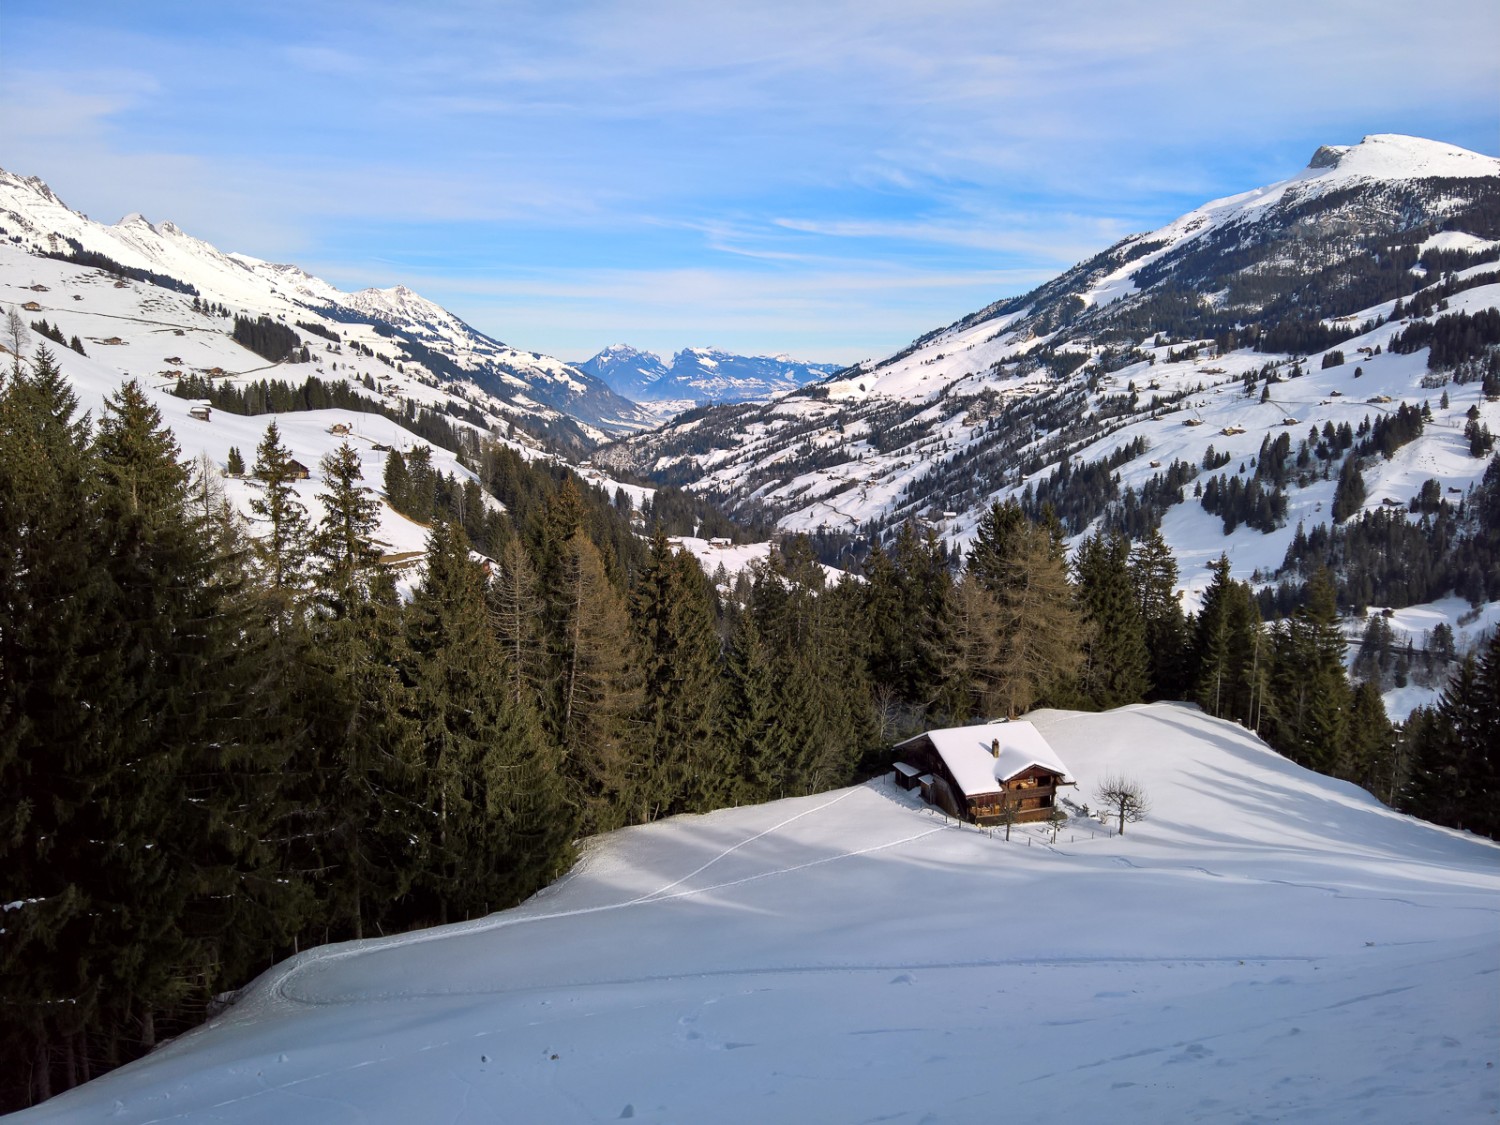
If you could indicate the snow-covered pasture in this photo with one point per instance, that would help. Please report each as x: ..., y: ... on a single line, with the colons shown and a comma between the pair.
x: 1270, y: 945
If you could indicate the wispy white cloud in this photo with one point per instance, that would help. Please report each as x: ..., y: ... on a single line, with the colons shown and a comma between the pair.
x: 731, y: 159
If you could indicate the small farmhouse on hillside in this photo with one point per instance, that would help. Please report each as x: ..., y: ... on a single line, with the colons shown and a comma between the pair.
x: 986, y: 773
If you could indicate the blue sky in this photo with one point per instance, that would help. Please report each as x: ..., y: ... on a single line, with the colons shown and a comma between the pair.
x: 828, y: 179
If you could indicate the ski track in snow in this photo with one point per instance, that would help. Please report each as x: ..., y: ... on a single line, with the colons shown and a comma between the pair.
x: 282, y: 987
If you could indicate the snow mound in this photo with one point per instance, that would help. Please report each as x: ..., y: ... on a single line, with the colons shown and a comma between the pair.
x: 1271, y: 944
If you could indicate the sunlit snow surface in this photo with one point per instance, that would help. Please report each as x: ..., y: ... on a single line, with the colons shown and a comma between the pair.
x: 1270, y: 945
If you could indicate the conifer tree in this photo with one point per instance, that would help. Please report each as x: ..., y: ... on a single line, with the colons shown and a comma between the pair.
x: 1231, y: 654
x: 972, y: 676
x: 600, y: 690
x: 281, y: 523
x: 517, y: 614
x: 926, y: 578
x: 1115, y: 658
x: 50, y: 578
x: 1311, y: 688
x: 171, y: 635
x: 751, y: 727
x: 361, y: 817
x: 497, y: 821
x: 674, y: 612
x: 147, y: 692
x: 281, y: 700
x: 1456, y: 765
x: 1153, y: 571
x: 816, y: 710
x: 885, y: 619
x: 343, y: 548
x: 852, y: 738
x: 1369, y: 741
x: 397, y: 481
x: 155, y: 878
x: 1040, y: 630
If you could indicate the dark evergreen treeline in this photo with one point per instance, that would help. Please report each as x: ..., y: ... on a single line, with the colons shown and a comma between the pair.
x: 1453, y: 337
x: 267, y: 338
x: 1244, y: 502
x: 219, y: 742
x: 1137, y: 514
x: 1385, y: 558
x: 210, y: 308
x: 95, y: 260
x: 277, y: 396
x: 54, y: 333
x: 1455, y: 765
x: 318, y: 330
x: 1078, y: 493
x: 1434, y: 298
x: 1389, y: 432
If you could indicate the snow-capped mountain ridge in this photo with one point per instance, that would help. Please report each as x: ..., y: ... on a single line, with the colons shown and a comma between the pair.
x: 700, y: 375
x: 525, y: 384
x: 1212, y: 330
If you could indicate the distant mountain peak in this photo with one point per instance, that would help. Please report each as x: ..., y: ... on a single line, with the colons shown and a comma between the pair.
x: 1328, y: 156
x: 1395, y: 156
x: 527, y: 385
x: 1251, y: 316
x: 701, y: 374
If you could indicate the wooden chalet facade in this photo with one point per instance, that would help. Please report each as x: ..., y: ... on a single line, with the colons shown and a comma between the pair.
x: 984, y: 774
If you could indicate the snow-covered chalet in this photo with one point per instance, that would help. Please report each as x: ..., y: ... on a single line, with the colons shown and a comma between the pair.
x: 984, y: 774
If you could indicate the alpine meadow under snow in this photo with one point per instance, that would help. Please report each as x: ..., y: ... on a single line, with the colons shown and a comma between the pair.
x: 1270, y: 945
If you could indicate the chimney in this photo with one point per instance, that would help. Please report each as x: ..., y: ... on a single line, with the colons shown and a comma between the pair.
x: 994, y: 747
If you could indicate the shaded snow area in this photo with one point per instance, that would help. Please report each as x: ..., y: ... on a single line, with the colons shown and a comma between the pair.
x: 1271, y: 945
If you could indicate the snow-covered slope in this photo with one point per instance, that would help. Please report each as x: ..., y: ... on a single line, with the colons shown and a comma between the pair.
x: 700, y: 375
x: 137, y: 330
x: 1154, y: 340
x: 158, y: 334
x: 1270, y: 945
x: 411, y: 330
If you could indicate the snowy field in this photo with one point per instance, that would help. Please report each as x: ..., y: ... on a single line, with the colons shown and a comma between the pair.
x: 1270, y: 946
x: 736, y: 557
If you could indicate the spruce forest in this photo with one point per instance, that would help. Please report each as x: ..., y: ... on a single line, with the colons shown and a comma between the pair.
x: 227, y: 740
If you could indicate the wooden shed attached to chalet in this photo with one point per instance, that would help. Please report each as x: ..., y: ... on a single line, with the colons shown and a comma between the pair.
x: 983, y: 774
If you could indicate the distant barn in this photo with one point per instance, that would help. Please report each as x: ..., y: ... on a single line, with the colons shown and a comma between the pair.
x: 984, y: 774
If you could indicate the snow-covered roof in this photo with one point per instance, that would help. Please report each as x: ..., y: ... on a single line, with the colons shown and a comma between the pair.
x: 968, y: 753
x: 906, y: 770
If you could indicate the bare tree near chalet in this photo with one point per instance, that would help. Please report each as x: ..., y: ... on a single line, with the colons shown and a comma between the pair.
x: 1124, y: 798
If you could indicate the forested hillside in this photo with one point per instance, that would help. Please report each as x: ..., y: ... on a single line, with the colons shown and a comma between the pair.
x: 225, y: 741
